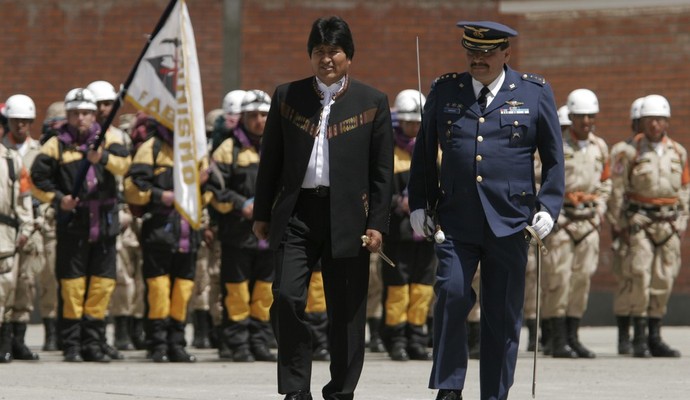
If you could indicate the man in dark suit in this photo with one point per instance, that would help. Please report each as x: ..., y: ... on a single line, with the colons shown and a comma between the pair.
x: 489, y: 122
x: 324, y: 182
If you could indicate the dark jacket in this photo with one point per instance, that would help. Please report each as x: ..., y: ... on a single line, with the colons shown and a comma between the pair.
x: 360, y: 154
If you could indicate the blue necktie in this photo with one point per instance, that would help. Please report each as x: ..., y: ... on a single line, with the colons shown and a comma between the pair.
x: 481, y: 100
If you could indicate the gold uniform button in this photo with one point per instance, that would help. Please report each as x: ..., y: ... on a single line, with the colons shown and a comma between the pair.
x: 478, y: 158
x: 479, y: 178
x: 524, y: 76
x: 450, y: 122
x: 481, y: 120
x: 480, y: 139
x: 523, y: 193
x: 516, y: 123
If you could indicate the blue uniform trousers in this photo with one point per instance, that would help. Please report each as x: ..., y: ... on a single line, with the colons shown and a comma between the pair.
x: 503, y: 262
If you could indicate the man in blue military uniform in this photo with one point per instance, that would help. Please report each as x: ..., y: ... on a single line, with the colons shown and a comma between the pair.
x: 489, y: 122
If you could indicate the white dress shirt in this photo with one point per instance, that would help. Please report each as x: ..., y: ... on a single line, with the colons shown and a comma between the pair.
x: 318, y: 169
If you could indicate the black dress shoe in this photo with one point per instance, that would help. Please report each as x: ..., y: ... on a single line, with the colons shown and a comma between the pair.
x: 447, y: 394
x: 298, y: 395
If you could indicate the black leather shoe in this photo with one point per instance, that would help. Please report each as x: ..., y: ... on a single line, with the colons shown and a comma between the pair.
x: 298, y: 395
x: 178, y: 354
x: 262, y: 353
x: 242, y: 355
x: 446, y: 394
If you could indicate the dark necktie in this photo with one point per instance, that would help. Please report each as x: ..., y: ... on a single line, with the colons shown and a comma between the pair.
x: 481, y: 100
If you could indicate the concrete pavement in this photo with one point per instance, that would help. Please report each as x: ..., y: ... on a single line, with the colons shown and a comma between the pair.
x: 608, y: 377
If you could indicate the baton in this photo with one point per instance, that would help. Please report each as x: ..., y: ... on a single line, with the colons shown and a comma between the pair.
x: 365, y: 241
x: 536, y: 240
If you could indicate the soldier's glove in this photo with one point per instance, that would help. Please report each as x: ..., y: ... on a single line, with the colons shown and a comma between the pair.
x: 418, y: 218
x: 542, y: 223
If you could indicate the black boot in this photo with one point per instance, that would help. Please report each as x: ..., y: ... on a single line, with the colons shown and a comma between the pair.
x: 531, y: 325
x: 639, y: 344
x: 5, y: 342
x: 658, y: 347
x: 137, y: 334
x: 50, y: 341
x: 224, y: 352
x: 107, y: 349
x: 572, y: 327
x: 473, y: 339
x: 177, y: 343
x: 122, y: 339
x: 416, y: 343
x: 19, y: 349
x: 545, y: 339
x: 202, y: 324
x: 375, y: 342
x: 559, y: 343
x: 624, y: 343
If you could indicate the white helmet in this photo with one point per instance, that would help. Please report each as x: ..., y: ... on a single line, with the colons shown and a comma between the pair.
x: 583, y: 101
x: 655, y: 106
x: 232, y: 102
x: 256, y: 100
x: 211, y: 118
x: 80, y: 99
x: 407, y: 105
x: 102, y: 90
x: 635, y: 108
x: 20, y: 106
x: 563, y: 118
x: 55, y: 112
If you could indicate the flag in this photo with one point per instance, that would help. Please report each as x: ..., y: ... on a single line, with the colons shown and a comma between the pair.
x: 167, y: 86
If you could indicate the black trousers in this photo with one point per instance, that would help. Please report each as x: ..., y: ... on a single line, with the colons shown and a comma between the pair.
x: 82, y: 268
x: 306, y: 241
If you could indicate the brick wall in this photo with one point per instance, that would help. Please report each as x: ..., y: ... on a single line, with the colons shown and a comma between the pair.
x: 50, y: 46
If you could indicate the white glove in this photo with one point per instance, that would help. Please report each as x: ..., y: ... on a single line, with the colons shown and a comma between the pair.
x: 542, y: 223
x: 417, y: 219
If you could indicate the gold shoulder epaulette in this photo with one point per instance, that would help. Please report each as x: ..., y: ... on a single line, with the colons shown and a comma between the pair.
x: 538, y: 79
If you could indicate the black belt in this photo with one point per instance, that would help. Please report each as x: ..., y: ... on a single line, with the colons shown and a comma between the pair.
x: 7, y: 220
x: 319, y: 191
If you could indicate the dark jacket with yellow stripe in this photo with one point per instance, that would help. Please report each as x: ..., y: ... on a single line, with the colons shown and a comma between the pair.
x: 53, y: 173
x: 360, y: 146
x: 239, y: 166
x: 144, y: 185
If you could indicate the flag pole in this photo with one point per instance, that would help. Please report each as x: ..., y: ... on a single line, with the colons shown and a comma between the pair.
x: 84, y: 166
